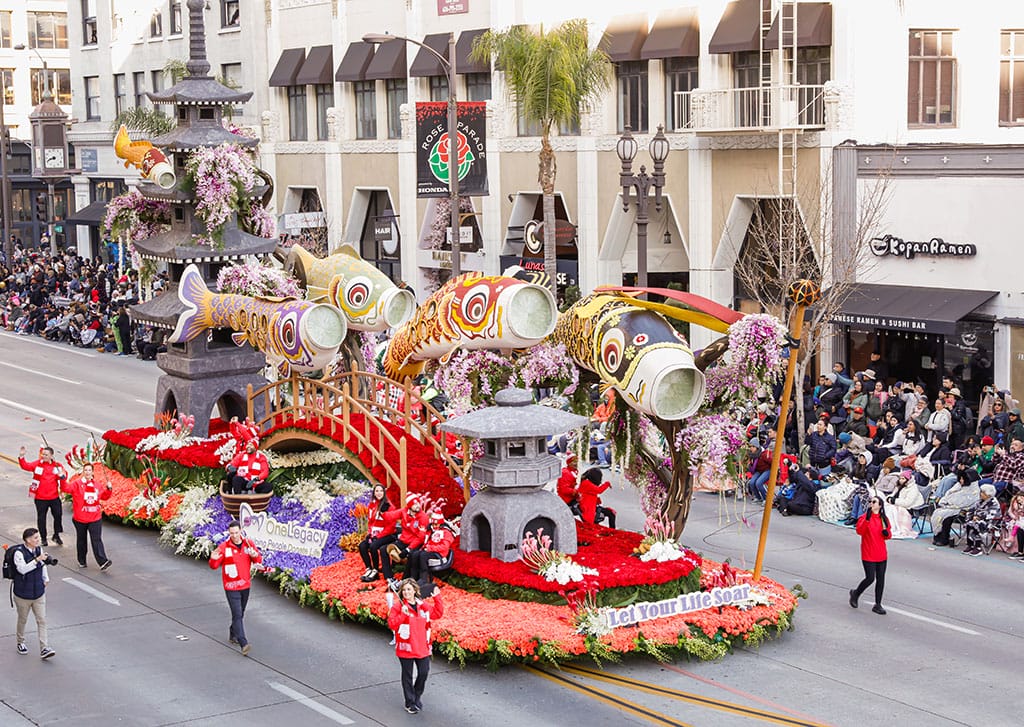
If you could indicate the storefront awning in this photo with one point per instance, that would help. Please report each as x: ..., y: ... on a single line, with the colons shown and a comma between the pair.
x: 388, y: 62
x: 813, y: 26
x: 426, y: 63
x: 463, y: 49
x: 287, y: 67
x: 91, y: 214
x: 318, y: 69
x: 908, y: 308
x: 356, y: 61
x: 739, y: 29
x: 624, y: 37
x: 676, y: 34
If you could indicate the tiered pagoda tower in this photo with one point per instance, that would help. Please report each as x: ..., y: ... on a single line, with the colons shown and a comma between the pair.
x: 208, y: 375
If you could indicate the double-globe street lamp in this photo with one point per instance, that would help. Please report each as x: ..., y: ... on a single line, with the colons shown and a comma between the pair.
x: 453, y: 134
x: 626, y: 147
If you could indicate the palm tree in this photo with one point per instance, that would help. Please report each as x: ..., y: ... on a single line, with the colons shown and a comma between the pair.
x: 551, y: 76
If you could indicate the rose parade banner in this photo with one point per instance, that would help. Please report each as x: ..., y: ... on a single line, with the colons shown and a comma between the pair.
x: 432, y: 149
x: 269, y: 534
x: 683, y: 603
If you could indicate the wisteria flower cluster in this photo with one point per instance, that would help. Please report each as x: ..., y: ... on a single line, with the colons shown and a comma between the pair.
x: 138, y: 218
x: 222, y: 179
x: 548, y: 365
x: 259, y: 281
x: 709, y: 442
x: 470, y: 379
x: 756, y: 342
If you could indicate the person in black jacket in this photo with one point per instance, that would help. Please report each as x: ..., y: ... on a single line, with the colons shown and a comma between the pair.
x: 821, y: 448
x: 30, y: 579
x: 804, y: 489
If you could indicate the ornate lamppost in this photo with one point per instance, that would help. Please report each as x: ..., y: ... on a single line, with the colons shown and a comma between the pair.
x: 626, y: 147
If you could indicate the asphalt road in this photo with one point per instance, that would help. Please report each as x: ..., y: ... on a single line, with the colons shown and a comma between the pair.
x: 146, y: 642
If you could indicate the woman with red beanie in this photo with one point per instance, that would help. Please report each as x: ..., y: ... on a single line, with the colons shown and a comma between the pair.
x: 873, y: 528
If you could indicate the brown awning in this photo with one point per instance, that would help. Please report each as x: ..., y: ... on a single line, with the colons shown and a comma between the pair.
x: 388, y: 62
x: 287, y: 67
x: 676, y: 34
x: 318, y: 67
x: 354, y: 64
x: 463, y: 47
x: 813, y: 26
x: 908, y: 308
x: 739, y: 29
x: 426, y: 63
x: 624, y: 37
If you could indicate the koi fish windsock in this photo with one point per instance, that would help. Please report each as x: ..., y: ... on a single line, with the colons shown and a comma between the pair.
x: 367, y: 297
x: 296, y: 334
x: 471, y: 311
x: 150, y: 161
x: 636, y: 351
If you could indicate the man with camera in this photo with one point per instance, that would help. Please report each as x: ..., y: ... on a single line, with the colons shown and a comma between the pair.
x: 30, y: 579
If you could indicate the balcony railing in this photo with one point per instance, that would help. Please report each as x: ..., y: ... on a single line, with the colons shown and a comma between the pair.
x: 751, y: 109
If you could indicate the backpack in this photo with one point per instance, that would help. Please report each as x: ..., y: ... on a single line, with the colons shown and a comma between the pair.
x: 9, y: 569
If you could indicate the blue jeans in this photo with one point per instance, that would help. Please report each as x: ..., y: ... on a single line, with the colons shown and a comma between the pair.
x: 945, y: 484
x: 858, y: 508
x: 237, y: 601
x: 757, y: 486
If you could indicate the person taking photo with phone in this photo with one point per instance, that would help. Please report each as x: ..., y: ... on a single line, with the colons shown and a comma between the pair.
x: 874, y: 529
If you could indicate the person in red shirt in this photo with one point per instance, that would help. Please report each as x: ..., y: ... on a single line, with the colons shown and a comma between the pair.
x: 435, y: 550
x: 567, y: 488
x: 590, y: 498
x: 249, y: 469
x: 410, y: 619
x: 379, y: 534
x: 47, y: 477
x: 87, y: 515
x: 236, y: 557
x: 414, y: 521
x: 874, y: 529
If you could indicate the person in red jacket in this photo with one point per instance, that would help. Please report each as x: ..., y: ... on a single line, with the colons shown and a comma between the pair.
x: 567, y: 488
x: 414, y: 522
x: 379, y: 534
x: 87, y: 515
x: 873, y: 528
x: 590, y: 498
x: 410, y: 619
x: 249, y: 469
x: 236, y: 556
x: 435, y: 549
x: 47, y: 477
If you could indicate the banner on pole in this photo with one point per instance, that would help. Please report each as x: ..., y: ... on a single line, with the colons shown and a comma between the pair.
x: 432, y: 149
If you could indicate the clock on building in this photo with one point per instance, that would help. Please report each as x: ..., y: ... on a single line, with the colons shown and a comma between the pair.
x: 53, y: 158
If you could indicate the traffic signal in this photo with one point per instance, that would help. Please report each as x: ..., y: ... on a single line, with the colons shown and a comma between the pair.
x: 41, y: 207
x: 6, y: 142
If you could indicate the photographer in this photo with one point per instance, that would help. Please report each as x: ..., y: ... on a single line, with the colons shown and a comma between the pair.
x: 30, y: 579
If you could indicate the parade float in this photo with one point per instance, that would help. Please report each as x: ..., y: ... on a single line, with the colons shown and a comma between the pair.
x: 334, y: 401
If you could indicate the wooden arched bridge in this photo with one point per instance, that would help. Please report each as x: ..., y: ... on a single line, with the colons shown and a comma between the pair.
x: 373, y: 422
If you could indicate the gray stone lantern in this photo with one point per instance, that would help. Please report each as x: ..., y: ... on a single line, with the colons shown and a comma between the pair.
x: 515, y: 467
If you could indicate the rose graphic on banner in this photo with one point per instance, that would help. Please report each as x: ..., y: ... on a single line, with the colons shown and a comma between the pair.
x: 432, y: 149
x: 438, y: 158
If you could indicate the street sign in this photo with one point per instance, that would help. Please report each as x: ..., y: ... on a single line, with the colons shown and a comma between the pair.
x: 465, y: 235
x: 88, y: 159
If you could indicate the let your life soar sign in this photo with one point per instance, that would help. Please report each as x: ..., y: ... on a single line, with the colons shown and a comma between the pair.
x: 683, y: 603
x: 269, y: 534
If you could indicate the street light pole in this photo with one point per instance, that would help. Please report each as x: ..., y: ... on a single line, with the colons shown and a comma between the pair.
x: 5, y: 180
x: 453, y: 134
x: 641, y: 183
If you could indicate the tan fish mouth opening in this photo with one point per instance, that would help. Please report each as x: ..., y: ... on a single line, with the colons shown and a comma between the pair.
x: 325, y: 327
x: 531, y: 312
x: 398, y: 306
x: 677, y: 393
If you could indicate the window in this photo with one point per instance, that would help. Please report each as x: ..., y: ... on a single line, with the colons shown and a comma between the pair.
x: 231, y: 76
x: 680, y: 76
x: 92, y: 98
x: 478, y: 86
x: 750, y: 107
x: 525, y: 126
x: 174, y: 14
x: 158, y: 80
x: 139, y: 89
x: 120, y: 93
x: 58, y: 80
x: 397, y: 90
x: 366, y: 109
x: 439, y: 88
x: 1011, y: 77
x: 104, y: 190
x: 931, y: 88
x: 7, y: 79
x: 156, y: 25
x: 229, y: 14
x: 324, y: 100
x: 813, y: 69
x: 631, y: 80
x: 297, y: 113
x: 47, y: 30
x: 5, y: 28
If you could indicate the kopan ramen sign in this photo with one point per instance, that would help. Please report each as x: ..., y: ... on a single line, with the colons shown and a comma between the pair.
x: 935, y: 247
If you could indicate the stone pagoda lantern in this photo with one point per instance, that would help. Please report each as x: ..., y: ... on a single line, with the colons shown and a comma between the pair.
x: 515, y: 467
x: 210, y: 372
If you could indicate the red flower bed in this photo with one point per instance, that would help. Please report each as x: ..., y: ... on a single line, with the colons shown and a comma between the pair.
x: 603, y: 549
x: 201, y: 454
x: 124, y: 490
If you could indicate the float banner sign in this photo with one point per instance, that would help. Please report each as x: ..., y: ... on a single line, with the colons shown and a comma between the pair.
x: 683, y: 603
x: 432, y: 149
x: 269, y: 534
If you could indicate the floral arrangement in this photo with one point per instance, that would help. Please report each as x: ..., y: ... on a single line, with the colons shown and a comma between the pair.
x: 659, y: 543
x: 223, y: 179
x: 309, y: 494
x: 586, y: 616
x: 256, y: 280
x: 132, y: 215
x: 80, y: 456
x: 280, y: 460
x: 555, y: 566
x: 710, y: 442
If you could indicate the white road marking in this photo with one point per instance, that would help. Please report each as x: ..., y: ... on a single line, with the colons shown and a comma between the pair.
x: 307, y: 702
x: 48, y: 415
x: 143, y: 401
x: 40, y: 373
x: 92, y: 591
x: 35, y: 341
x: 943, y: 624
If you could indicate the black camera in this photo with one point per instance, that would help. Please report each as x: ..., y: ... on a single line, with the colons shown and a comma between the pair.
x: 49, y: 560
